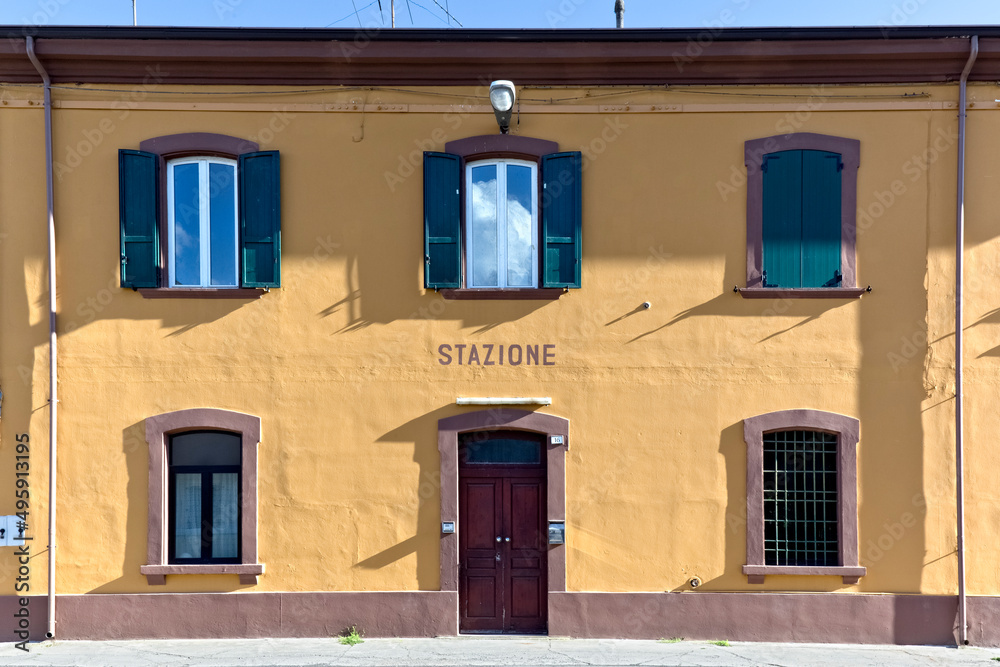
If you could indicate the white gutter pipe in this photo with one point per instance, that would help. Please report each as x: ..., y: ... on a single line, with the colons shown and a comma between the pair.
x: 963, y: 622
x: 53, y: 377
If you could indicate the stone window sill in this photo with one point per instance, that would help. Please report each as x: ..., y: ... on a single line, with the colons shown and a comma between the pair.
x: 466, y: 294
x: 802, y: 292
x: 156, y: 575
x: 756, y: 573
x: 200, y: 293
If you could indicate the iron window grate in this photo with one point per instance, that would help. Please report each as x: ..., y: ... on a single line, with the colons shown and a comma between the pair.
x: 800, y: 498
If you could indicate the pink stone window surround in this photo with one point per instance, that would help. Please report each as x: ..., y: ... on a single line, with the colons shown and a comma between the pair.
x: 847, y: 430
x: 557, y: 442
x: 754, y: 152
x: 158, y: 432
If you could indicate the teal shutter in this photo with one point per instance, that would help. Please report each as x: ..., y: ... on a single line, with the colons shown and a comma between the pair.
x: 821, y: 183
x: 562, y: 216
x: 260, y: 219
x: 138, y: 211
x: 442, y: 221
x: 782, y: 224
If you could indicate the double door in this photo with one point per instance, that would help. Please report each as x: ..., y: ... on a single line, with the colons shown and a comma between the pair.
x: 503, y: 542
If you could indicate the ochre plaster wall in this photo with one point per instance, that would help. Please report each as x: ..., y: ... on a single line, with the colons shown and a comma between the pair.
x: 341, y: 362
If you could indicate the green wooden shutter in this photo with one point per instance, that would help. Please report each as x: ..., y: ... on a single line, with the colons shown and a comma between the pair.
x: 442, y: 221
x: 782, y: 223
x: 562, y: 216
x: 260, y: 219
x: 821, y: 183
x: 138, y: 210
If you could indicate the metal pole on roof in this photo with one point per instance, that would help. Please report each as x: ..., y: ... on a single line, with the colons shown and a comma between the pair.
x: 135, y: 17
x: 392, y: 5
x: 620, y: 13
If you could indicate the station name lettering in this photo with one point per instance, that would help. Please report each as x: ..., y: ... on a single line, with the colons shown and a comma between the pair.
x: 487, y: 354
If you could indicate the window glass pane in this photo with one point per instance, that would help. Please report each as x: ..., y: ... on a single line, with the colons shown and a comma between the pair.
x: 519, y: 237
x: 187, y: 225
x: 501, y: 450
x: 225, y: 514
x: 222, y: 214
x: 800, y: 498
x: 187, y: 516
x: 484, y: 226
x: 214, y: 448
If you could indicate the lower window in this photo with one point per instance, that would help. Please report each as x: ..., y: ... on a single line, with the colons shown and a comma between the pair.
x: 802, y: 495
x: 204, y: 497
x: 800, y: 498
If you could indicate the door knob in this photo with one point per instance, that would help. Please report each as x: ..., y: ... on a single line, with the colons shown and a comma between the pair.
x: 507, y: 540
x: 498, y: 538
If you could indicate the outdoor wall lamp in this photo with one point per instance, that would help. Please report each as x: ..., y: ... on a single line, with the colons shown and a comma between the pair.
x: 502, y: 98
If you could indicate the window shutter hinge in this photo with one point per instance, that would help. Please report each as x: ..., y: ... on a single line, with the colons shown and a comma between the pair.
x: 763, y: 165
x: 124, y: 260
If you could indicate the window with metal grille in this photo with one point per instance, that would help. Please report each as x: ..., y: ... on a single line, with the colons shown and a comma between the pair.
x: 800, y: 498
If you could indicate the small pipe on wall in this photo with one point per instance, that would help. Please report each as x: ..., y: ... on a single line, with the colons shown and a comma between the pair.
x: 963, y: 623
x: 53, y: 377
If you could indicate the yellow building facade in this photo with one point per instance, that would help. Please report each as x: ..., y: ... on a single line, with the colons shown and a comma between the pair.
x: 303, y: 377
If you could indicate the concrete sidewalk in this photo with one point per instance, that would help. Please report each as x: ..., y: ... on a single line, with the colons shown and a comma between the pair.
x: 479, y: 651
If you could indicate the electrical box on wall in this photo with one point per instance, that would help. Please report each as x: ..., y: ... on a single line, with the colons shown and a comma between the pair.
x: 557, y: 532
x: 10, y: 534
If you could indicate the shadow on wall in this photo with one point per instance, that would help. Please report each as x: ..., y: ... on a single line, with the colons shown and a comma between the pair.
x: 375, y: 296
x: 421, y: 433
x: 730, y: 304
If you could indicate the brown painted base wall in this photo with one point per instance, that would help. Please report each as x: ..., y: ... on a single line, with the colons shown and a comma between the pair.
x: 208, y: 615
x: 863, y: 619
x: 805, y: 617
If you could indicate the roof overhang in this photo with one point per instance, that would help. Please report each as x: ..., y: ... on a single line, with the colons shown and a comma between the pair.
x: 475, y: 57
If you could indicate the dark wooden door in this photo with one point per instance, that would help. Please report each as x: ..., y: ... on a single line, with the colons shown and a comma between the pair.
x: 503, y: 542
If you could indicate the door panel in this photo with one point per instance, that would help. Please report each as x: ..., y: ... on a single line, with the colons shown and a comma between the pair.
x: 503, y: 586
x: 526, y: 585
x: 481, y: 582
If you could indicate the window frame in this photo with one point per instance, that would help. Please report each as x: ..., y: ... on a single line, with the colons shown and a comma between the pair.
x: 847, y: 430
x: 199, y: 145
x: 754, y: 152
x: 205, y: 221
x: 502, y: 237
x: 506, y: 147
x: 159, y: 429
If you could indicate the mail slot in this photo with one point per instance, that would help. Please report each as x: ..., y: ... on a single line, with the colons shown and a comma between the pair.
x: 557, y: 532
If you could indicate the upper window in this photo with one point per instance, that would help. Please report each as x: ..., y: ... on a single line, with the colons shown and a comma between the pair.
x: 502, y: 218
x: 502, y: 224
x: 802, y: 495
x: 202, y: 494
x: 801, y: 195
x: 199, y: 211
x: 201, y: 223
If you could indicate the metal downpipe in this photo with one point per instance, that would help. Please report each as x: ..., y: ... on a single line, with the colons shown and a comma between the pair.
x: 53, y: 376
x: 959, y: 341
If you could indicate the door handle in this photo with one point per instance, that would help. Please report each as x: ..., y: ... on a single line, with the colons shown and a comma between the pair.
x: 507, y: 540
x: 498, y: 538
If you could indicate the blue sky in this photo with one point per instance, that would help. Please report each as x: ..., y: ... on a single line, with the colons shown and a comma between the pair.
x: 503, y: 14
